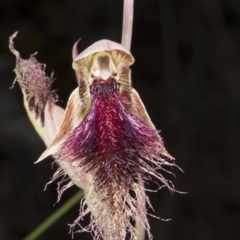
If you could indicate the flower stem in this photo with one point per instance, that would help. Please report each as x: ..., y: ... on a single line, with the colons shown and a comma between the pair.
x: 55, y: 216
x: 127, y: 23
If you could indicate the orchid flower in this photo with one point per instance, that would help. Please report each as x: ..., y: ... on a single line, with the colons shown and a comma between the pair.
x: 104, y: 141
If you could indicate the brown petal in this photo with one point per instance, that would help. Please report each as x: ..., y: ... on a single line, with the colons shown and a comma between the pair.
x: 74, y: 114
x: 125, y: 83
x: 138, y: 109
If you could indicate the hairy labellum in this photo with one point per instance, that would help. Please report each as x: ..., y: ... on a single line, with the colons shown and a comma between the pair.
x: 118, y: 147
x: 111, y: 139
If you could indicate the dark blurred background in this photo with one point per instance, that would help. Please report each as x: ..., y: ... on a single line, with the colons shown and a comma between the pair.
x: 187, y: 72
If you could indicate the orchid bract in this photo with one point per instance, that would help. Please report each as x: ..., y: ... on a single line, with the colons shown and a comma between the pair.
x: 104, y: 141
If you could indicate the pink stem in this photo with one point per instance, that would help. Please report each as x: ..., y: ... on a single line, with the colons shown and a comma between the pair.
x: 127, y: 24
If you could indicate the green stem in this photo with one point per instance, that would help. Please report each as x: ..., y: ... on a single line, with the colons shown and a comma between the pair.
x: 55, y: 216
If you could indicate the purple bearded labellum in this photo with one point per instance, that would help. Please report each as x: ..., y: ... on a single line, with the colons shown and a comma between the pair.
x: 107, y: 135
